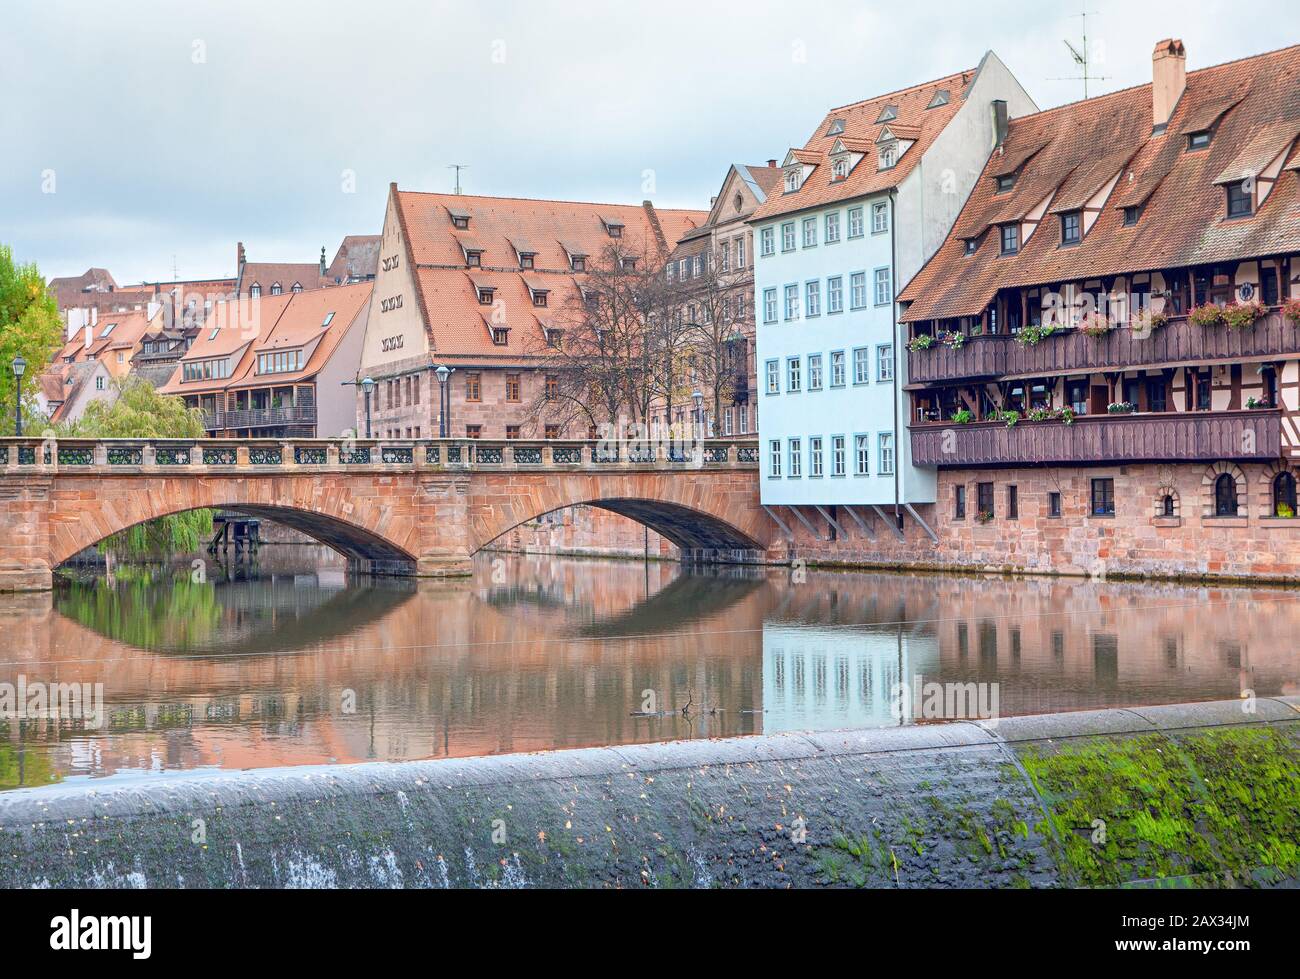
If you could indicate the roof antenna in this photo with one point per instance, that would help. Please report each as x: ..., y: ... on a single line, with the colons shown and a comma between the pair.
x: 175, y: 273
x: 1080, y: 56
x: 458, y: 167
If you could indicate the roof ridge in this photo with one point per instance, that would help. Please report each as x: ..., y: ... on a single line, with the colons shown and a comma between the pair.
x: 904, y: 91
x: 530, y: 200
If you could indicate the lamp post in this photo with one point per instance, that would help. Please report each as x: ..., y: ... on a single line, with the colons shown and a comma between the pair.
x: 443, y: 373
x: 20, y: 368
x: 368, y: 386
x: 698, y: 397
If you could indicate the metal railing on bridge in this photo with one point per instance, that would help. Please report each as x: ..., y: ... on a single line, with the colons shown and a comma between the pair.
x: 24, y: 455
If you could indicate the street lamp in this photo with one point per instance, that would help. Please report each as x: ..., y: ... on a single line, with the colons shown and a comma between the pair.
x: 698, y: 397
x: 20, y: 368
x: 443, y: 373
x: 368, y: 386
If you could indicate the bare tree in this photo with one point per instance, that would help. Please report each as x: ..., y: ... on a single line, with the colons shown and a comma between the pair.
x: 715, y: 309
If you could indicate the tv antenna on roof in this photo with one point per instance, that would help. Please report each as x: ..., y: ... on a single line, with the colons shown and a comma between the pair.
x: 1080, y: 56
x: 458, y: 167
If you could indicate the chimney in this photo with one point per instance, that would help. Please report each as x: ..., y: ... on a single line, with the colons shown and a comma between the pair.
x: 322, y: 259
x: 239, y: 260
x: 1168, y: 79
x: 999, y: 107
x: 771, y: 164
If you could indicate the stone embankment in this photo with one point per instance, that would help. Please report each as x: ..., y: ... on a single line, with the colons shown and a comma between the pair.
x: 1200, y: 795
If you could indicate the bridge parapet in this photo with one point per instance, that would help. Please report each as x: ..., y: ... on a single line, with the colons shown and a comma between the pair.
x: 25, y: 456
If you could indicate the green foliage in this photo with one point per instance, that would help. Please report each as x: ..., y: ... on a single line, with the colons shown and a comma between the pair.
x: 30, y: 327
x: 139, y: 411
x: 1032, y: 335
x: 962, y: 416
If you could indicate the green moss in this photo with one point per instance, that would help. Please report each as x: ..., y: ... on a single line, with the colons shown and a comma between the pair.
x: 1218, y: 806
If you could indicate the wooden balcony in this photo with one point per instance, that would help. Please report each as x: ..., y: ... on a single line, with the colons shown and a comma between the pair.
x: 1101, y: 439
x: 1177, y: 342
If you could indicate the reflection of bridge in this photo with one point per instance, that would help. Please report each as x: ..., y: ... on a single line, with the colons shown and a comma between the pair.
x: 421, y: 508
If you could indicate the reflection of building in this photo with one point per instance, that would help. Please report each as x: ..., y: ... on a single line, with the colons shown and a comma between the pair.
x: 831, y: 679
x: 275, y: 367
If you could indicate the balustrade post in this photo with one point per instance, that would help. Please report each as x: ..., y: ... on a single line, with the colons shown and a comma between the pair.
x: 101, y: 454
x: 148, y: 456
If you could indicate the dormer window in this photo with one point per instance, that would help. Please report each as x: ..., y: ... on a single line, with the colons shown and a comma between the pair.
x: 629, y: 264
x: 554, y: 338
x: 276, y: 289
x: 613, y: 227
x: 1131, y: 215
x: 971, y: 245
x: 500, y: 335
x: 941, y: 97
x: 1240, y: 200
x: 459, y: 219
x: 578, y: 263
x: 792, y: 179
x: 296, y: 288
x: 840, y: 168
x: 255, y: 291
x: 1198, y: 140
x: 887, y: 114
x: 1010, y: 236
x: 527, y: 260
x: 888, y: 156
x: 836, y: 127
x: 485, y: 296
x: 1071, y: 228
x: 540, y: 299
x: 1005, y: 182
x: 473, y: 258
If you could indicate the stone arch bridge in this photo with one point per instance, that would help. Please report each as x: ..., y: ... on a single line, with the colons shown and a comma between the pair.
x: 422, y: 508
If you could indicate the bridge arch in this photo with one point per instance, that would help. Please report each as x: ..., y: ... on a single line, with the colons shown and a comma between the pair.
x: 713, y: 516
x: 364, y: 528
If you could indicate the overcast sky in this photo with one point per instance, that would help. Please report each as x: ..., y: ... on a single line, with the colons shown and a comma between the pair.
x: 170, y: 129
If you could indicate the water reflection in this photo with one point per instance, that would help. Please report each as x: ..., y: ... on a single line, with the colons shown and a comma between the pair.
x: 292, y: 663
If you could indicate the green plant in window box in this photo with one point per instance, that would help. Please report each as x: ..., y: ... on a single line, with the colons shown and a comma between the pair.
x: 1239, y: 316
x: 1068, y: 415
x: 954, y: 339
x: 1009, y: 417
x: 1291, y: 310
x: 1094, y: 324
x: 1031, y: 335
x: 963, y: 416
x: 1147, y: 321
x: 1286, y: 511
x: 1207, y: 315
x: 1252, y: 403
x: 1121, y: 408
x: 921, y: 342
x: 984, y: 516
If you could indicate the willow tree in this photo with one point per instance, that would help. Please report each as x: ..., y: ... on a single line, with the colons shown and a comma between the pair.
x: 29, y: 328
x: 135, y: 409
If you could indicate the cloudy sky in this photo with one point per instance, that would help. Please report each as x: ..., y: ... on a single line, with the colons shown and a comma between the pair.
x: 143, y: 135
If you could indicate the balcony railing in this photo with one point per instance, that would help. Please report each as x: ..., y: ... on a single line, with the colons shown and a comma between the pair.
x: 265, y: 455
x: 1177, y: 342
x: 1093, y: 439
x: 260, y: 417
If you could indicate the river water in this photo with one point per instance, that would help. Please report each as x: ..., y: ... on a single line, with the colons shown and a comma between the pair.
x: 290, y: 662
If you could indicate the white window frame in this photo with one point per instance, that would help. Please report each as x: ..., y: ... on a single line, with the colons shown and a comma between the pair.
x: 839, y: 462
x: 812, y: 305
x: 861, y: 365
x: 791, y: 301
x: 862, y: 455
x: 857, y: 222
x: 858, y: 290
x: 879, y: 218
x: 887, y: 282
x: 835, y: 294
x: 787, y: 236
x: 837, y: 369
x: 793, y: 375
x: 810, y: 232
x: 815, y: 372
x: 773, y: 368
x: 815, y: 459
x: 885, y: 456
x: 769, y: 305
x: 885, y: 362
x: 767, y: 239
x: 832, y: 232
x: 795, y: 462
x: 774, y: 460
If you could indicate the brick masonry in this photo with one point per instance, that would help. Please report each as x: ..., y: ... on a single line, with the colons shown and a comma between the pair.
x: 1136, y: 541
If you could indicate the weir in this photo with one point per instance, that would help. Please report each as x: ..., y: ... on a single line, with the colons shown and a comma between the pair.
x: 1023, y: 802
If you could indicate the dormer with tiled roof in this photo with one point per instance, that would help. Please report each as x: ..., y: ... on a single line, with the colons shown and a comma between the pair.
x: 1120, y: 188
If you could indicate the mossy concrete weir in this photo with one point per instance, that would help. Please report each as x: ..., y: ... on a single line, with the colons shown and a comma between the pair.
x: 1195, y: 795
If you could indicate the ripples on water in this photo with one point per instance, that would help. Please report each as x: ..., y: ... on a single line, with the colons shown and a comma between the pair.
x: 291, y: 663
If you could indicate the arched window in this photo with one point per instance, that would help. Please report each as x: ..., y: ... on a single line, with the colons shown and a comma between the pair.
x: 255, y: 291
x: 1167, y: 506
x: 1225, y: 496
x: 1284, y: 495
x: 275, y: 289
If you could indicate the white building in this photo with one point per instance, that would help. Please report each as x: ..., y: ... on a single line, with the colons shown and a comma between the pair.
x: 868, y: 199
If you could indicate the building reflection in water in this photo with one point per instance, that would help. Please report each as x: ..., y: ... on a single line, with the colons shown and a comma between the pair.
x: 290, y: 663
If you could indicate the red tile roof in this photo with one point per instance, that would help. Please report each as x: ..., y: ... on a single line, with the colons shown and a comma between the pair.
x: 458, y: 324
x: 914, y: 121
x: 1070, y: 152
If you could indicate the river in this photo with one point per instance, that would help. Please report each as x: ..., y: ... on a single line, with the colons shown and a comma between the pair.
x: 290, y: 662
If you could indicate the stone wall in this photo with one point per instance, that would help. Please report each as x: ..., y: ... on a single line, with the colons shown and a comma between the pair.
x: 1137, y: 540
